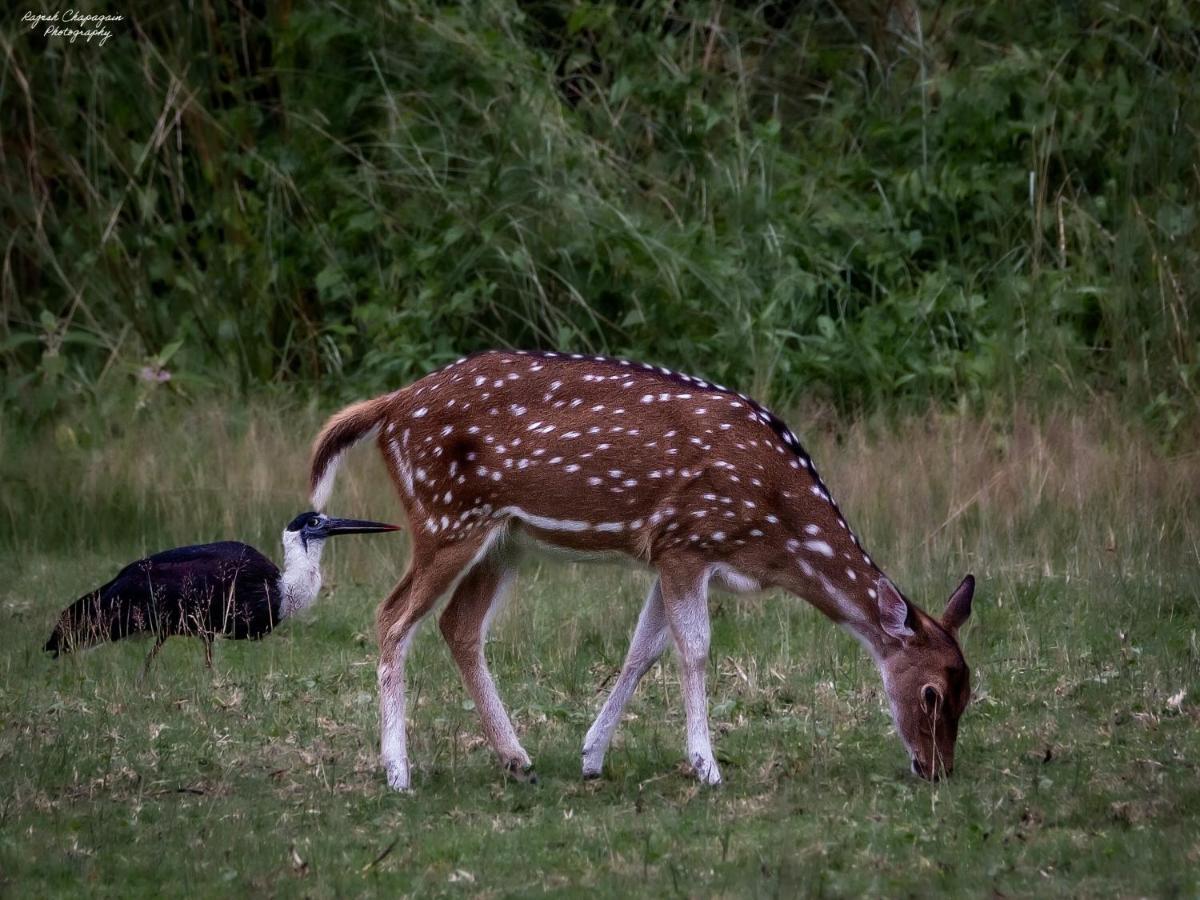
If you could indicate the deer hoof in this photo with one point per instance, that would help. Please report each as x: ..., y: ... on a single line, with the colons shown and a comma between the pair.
x: 398, y: 778
x: 521, y: 771
x: 706, y: 770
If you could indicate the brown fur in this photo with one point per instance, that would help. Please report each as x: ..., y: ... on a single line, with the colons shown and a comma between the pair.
x: 598, y: 455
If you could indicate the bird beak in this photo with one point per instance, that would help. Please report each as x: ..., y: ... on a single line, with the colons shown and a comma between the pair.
x: 356, y: 526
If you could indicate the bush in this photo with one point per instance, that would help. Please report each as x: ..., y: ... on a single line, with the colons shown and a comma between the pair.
x: 864, y: 202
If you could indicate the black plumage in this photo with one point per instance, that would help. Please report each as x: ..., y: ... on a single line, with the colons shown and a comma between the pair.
x: 226, y: 589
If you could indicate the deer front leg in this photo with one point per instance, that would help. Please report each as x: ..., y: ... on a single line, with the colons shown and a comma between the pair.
x: 464, y: 625
x: 685, y: 597
x: 649, y: 641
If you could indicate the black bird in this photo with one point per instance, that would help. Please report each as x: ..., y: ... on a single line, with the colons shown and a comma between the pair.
x: 226, y: 589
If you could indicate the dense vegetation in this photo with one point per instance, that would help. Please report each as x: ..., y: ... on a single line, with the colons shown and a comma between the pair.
x: 861, y: 201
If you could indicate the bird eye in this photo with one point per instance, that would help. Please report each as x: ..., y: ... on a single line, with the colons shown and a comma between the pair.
x: 314, y: 522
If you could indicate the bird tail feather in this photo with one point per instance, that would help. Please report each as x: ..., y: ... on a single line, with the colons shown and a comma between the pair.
x: 342, y: 431
x: 95, y: 618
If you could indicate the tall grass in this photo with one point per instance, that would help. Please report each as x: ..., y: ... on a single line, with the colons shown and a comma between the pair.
x: 862, y: 202
x: 1053, y: 494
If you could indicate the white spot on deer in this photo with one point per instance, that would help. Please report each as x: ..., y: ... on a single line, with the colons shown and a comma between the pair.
x: 718, y: 536
x: 630, y: 482
x: 773, y: 519
x: 569, y: 435
x: 518, y: 410
x: 594, y: 481
x: 812, y: 529
x: 555, y: 460
x: 573, y: 467
x: 419, y: 412
x: 756, y: 532
x: 850, y: 574
x: 819, y: 547
x: 609, y: 526
x: 808, y: 570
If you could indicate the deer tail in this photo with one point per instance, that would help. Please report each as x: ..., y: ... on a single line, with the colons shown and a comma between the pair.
x: 342, y: 431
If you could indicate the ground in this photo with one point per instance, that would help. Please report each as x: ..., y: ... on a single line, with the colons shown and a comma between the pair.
x: 1077, y: 763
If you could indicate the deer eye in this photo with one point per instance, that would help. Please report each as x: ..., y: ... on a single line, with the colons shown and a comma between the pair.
x: 931, y: 698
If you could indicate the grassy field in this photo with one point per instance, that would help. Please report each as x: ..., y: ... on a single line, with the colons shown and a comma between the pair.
x: 1077, y: 768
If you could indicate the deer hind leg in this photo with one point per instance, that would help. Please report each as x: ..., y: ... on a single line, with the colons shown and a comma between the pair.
x: 432, y: 574
x: 685, y: 598
x: 464, y: 624
x: 649, y: 641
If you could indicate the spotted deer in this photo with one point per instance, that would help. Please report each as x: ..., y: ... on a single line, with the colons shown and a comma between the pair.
x: 607, y: 457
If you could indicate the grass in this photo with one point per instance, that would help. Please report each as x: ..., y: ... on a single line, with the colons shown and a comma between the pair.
x: 1077, y: 766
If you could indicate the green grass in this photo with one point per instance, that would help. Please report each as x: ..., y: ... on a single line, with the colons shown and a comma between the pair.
x: 1077, y: 771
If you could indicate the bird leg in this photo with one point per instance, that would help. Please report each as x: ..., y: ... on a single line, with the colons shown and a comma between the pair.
x: 160, y: 638
x: 208, y: 647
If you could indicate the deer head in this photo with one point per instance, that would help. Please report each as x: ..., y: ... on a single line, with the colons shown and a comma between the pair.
x: 926, y: 678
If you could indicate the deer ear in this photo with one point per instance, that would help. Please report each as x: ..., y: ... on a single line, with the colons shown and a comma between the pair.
x: 958, y: 610
x: 894, y: 613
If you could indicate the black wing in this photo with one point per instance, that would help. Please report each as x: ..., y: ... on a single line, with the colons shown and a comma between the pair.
x: 224, y: 588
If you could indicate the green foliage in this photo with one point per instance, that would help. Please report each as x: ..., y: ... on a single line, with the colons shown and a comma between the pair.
x: 864, y: 202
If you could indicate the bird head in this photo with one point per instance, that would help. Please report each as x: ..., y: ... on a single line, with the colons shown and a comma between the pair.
x: 314, y: 526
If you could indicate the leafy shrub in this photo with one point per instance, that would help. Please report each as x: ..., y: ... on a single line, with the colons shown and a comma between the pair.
x: 866, y: 202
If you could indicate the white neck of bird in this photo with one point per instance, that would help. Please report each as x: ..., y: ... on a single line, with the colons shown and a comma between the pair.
x: 301, y: 579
